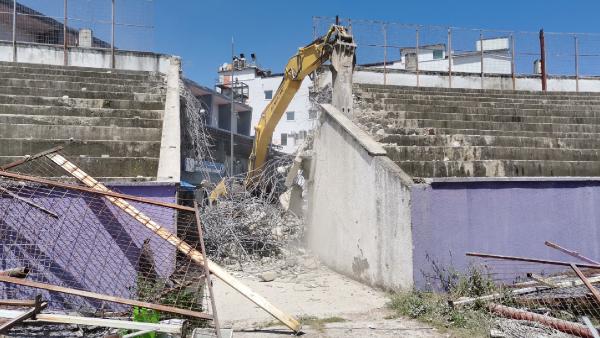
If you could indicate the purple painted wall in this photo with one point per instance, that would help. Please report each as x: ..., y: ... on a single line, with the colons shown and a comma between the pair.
x: 92, y: 245
x: 508, y: 218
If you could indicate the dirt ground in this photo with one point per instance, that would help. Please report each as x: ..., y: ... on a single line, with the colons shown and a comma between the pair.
x: 329, y: 304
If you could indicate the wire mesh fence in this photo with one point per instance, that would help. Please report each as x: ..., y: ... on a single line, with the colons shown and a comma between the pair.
x: 392, y: 47
x: 122, y: 24
x: 109, y: 246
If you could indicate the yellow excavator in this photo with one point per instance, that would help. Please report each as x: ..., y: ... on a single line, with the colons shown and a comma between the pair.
x: 305, y: 62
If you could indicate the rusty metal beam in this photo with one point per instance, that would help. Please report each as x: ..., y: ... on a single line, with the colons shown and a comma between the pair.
x: 555, y: 323
x: 530, y: 260
x: 571, y: 253
x: 88, y: 294
x: 30, y: 158
x: 28, y: 202
x: 91, y: 190
x: 587, y: 283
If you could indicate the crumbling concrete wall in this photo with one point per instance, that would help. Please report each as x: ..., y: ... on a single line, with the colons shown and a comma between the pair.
x: 85, y: 57
x: 359, y: 206
x: 506, y: 216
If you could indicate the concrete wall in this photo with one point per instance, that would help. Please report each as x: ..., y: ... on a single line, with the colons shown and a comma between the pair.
x: 465, y: 80
x: 359, y: 212
x: 92, y: 246
x: 85, y: 57
x: 502, y: 216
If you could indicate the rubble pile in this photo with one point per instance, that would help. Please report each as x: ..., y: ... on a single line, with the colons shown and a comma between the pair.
x: 247, y: 229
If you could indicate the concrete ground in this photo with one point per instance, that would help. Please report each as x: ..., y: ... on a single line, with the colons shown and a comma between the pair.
x: 330, y: 305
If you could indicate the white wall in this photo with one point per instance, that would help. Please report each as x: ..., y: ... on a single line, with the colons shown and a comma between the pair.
x: 359, y: 220
x: 85, y: 57
x: 300, y: 105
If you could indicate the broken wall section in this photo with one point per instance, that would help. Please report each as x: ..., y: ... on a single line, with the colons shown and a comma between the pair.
x: 359, y: 217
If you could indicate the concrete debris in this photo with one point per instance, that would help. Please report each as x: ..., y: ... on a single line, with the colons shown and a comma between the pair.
x: 267, y: 276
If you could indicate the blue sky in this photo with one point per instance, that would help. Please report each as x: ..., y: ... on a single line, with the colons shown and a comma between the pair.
x: 200, y: 31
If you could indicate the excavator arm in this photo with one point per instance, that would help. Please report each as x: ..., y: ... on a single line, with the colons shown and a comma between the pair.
x: 307, y: 60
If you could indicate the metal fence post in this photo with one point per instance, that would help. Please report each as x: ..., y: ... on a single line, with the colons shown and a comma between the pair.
x: 576, y: 64
x: 481, y: 56
x: 449, y: 57
x: 417, y: 54
x: 384, y: 54
x: 14, y: 31
x: 543, y: 59
x: 512, y: 61
x: 65, y: 56
x: 112, y: 42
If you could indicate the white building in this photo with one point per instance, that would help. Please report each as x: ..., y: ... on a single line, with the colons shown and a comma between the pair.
x: 298, y: 119
x: 496, y: 58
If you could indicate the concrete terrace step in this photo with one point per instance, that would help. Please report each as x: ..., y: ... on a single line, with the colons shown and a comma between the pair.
x: 89, y: 86
x: 475, y: 153
x: 468, y: 91
x: 33, y: 131
x: 21, y: 109
x: 430, y: 108
x: 479, y: 97
x: 500, y: 168
x: 8, y: 64
x: 106, y: 166
x: 496, y: 104
x: 489, y: 125
x: 80, y: 72
x: 80, y: 102
x: 400, y: 115
x: 518, y: 133
x: 84, y: 94
x: 72, y: 78
x: 79, y: 121
x: 458, y: 140
x: 20, y: 147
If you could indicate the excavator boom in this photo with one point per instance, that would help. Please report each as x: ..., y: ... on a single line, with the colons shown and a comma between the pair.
x: 307, y: 60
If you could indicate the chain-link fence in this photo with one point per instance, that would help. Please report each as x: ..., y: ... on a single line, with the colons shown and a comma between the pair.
x: 104, y: 24
x: 392, y: 47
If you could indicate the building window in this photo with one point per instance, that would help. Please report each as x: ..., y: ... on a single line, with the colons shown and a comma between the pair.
x: 438, y: 54
x: 268, y: 94
x: 284, y: 139
x: 312, y: 114
x: 289, y: 116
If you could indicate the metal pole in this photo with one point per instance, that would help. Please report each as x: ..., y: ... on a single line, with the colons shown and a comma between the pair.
x: 384, y: 55
x: 112, y: 41
x: 512, y: 62
x: 576, y: 64
x: 211, y: 294
x: 543, y: 60
x: 14, y: 31
x: 232, y: 112
x: 481, y: 56
x: 65, y: 57
x: 417, y: 54
x: 450, y: 57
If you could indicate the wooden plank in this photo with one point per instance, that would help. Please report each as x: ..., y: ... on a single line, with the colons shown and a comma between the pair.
x: 587, y: 283
x: 17, y: 302
x: 181, y: 245
x: 29, y: 158
x: 107, y: 298
x: 112, y: 323
x: 52, y: 183
x: 211, y: 294
x: 571, y: 253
